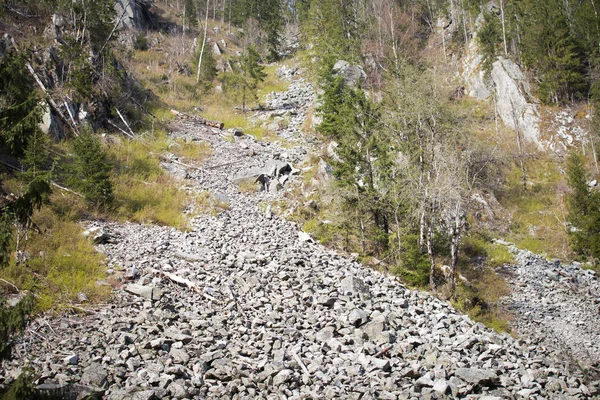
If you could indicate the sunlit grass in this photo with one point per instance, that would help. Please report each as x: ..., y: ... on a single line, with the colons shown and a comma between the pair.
x: 538, y: 214
x: 63, y: 264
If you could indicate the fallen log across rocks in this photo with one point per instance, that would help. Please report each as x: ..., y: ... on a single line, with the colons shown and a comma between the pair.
x: 199, y: 120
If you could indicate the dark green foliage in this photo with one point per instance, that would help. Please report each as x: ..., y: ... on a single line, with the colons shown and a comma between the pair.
x: 97, y: 16
x: 414, y: 265
x: 20, y: 108
x: 12, y: 321
x: 141, y: 42
x: 334, y: 31
x: 247, y: 73
x: 209, y: 70
x: 6, y: 230
x: 268, y: 13
x: 91, y: 171
x: 37, y: 158
x: 353, y: 121
x: 21, y: 389
x: 37, y: 194
x: 547, y: 46
x: 584, y: 210
x: 489, y: 37
x: 190, y: 13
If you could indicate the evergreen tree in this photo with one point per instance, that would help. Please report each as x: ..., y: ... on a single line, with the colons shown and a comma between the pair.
x: 489, y: 37
x: 91, y: 171
x: 20, y: 108
x: 584, y: 209
x: 548, y: 47
x: 333, y: 30
x: 352, y: 120
x: 247, y: 73
x: 269, y: 16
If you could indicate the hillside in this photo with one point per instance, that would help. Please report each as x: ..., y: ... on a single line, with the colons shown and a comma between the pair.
x: 257, y: 200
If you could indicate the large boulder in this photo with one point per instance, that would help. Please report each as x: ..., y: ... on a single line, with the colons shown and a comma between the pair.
x: 352, y: 74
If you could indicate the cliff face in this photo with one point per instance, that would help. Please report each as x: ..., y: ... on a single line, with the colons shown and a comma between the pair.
x: 508, y: 87
x: 549, y: 128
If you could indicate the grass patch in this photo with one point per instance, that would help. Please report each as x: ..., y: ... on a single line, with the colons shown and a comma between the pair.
x: 144, y: 193
x: 158, y: 201
x: 193, y: 152
x: 538, y: 214
x: 63, y: 262
x: 479, y: 297
x: 272, y: 82
x: 249, y: 186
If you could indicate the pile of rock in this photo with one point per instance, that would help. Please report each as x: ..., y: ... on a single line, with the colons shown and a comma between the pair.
x: 272, y: 176
x: 558, y: 305
x: 266, y: 314
x: 242, y: 306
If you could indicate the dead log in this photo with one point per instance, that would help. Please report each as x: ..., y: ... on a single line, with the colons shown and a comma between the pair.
x: 257, y: 108
x: 383, y: 351
x: 185, y: 282
x: 199, y: 120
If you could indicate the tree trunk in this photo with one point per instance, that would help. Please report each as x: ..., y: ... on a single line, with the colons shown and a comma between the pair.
x: 203, y: 43
x: 431, y: 259
x: 454, y: 245
x: 503, y: 27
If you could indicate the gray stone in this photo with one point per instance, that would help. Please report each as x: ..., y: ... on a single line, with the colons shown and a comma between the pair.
x: 441, y: 386
x: 358, y: 317
x: 354, y: 286
x: 135, y: 14
x: 71, y: 360
x: 325, y: 334
x: 282, y: 377
x: 424, y: 381
x: 352, y: 74
x: 94, y: 375
x: 481, y: 377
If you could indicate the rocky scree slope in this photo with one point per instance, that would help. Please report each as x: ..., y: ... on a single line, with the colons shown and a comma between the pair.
x: 245, y: 306
x: 557, y: 305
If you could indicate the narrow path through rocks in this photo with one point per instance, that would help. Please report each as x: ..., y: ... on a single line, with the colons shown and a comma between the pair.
x: 245, y: 306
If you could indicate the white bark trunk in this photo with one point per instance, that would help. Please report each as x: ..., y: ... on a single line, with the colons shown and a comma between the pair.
x: 203, y: 43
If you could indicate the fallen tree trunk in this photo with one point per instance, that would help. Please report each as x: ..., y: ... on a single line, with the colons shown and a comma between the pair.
x: 199, y: 120
x: 185, y: 282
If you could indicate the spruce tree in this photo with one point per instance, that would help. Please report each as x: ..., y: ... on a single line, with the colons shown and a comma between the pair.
x: 247, y: 73
x: 91, y: 171
x: 584, y: 209
x: 20, y: 107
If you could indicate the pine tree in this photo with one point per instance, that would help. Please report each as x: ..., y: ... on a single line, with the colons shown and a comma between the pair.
x: 548, y: 47
x: 352, y: 120
x: 489, y: 36
x: 334, y: 31
x: 91, y: 171
x: 269, y: 16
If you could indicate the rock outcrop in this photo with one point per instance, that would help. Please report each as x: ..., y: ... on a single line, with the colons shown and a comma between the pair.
x: 514, y: 102
x: 135, y: 14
